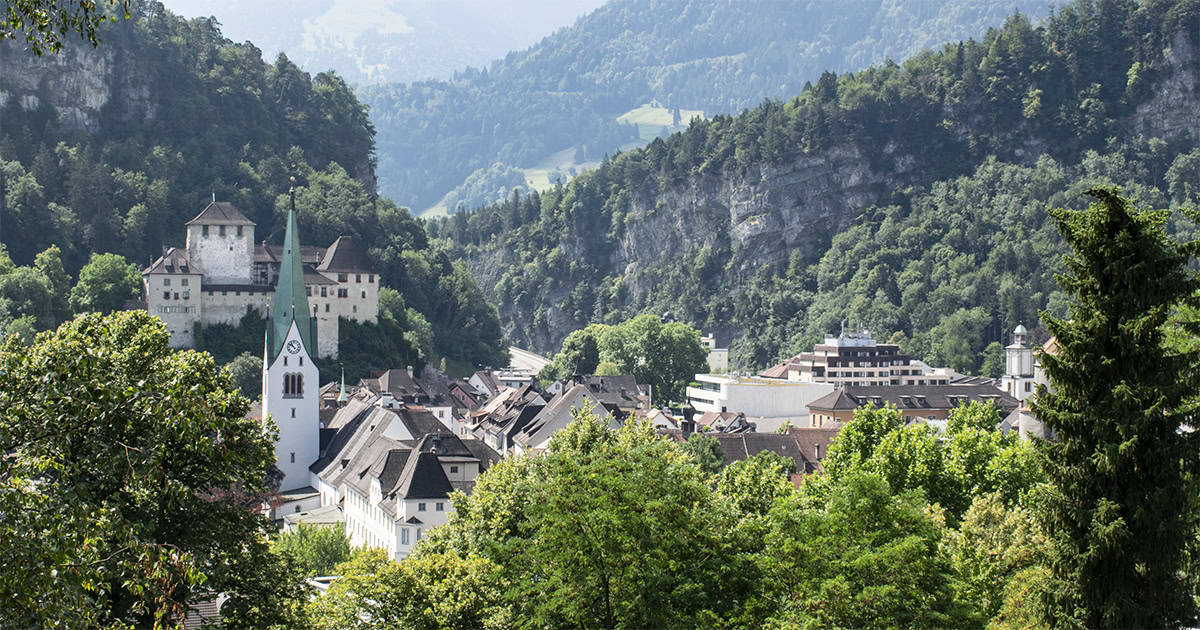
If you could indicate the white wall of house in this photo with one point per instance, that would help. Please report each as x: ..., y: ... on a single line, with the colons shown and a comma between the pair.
x: 755, y: 397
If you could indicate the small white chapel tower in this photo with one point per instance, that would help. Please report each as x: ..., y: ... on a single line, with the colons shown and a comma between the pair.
x: 290, y: 388
x: 1018, y: 365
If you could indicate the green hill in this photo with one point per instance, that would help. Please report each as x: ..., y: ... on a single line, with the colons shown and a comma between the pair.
x: 908, y: 198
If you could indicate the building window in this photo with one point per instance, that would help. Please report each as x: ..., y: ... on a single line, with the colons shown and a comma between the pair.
x: 284, y: 361
x: 302, y: 361
x: 343, y: 293
x: 220, y: 230
x: 308, y: 291
x: 1028, y: 386
x: 403, y: 535
x: 324, y: 293
x: 187, y: 294
x: 341, y: 277
x: 183, y: 281
x: 453, y: 469
x: 176, y: 296
x: 166, y: 295
x: 326, y: 307
x: 370, y: 277
x: 354, y: 309
x: 293, y: 412
x: 204, y: 230
x: 420, y: 507
x: 439, y: 506
x: 293, y: 455
x: 166, y: 282
x: 358, y: 277
x: 239, y: 230
x: 293, y: 385
x: 418, y: 534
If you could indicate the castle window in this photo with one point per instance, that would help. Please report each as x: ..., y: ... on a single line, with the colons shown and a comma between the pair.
x: 293, y: 386
x: 239, y: 230
x: 358, y: 277
x: 204, y: 230
x: 341, y: 277
x: 324, y: 293
x: 343, y: 293
x: 220, y: 230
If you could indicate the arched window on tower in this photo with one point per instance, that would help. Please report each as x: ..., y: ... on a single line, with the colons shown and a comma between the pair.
x: 293, y: 385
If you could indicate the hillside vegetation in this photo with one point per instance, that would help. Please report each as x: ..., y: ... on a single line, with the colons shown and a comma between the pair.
x: 908, y: 198
x: 711, y: 55
x: 114, y: 149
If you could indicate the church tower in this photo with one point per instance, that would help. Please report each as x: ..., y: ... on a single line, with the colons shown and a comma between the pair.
x: 290, y: 380
x: 1018, y: 365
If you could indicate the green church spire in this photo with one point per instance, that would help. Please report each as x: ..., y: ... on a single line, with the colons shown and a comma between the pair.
x: 291, y: 301
x: 342, y: 397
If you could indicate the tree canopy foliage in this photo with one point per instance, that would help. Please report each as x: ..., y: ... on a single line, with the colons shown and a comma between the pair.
x: 131, y: 483
x: 663, y: 356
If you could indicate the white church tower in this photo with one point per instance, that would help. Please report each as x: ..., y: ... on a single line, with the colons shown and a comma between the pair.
x: 1018, y: 365
x: 290, y: 389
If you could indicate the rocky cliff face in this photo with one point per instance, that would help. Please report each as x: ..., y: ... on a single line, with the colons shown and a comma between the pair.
x: 767, y: 217
x: 76, y: 84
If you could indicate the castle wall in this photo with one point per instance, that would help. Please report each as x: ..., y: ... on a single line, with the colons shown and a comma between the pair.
x: 225, y: 254
x: 228, y: 306
x: 175, y: 299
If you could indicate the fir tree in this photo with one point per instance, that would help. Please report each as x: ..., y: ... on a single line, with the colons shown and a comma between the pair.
x: 1120, y: 402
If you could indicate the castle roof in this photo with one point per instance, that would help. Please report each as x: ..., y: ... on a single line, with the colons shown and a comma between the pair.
x: 345, y: 255
x: 220, y: 213
x: 175, y: 260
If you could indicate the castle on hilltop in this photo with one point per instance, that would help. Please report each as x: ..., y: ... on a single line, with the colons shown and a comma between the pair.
x: 221, y: 273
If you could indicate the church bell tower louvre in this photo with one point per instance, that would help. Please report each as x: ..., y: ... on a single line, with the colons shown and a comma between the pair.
x: 290, y: 387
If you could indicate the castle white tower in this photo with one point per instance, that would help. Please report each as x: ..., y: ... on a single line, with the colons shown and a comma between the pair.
x: 1018, y: 370
x: 290, y: 379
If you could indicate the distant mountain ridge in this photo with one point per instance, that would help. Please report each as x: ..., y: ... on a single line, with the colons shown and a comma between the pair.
x: 718, y: 56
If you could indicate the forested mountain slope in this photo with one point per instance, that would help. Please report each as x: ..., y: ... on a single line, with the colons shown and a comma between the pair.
x: 718, y: 56
x: 113, y: 149
x: 907, y: 198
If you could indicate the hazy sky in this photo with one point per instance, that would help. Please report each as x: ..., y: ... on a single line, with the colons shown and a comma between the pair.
x: 374, y: 40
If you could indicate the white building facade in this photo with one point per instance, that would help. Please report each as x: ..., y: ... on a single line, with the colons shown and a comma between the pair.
x: 766, y: 401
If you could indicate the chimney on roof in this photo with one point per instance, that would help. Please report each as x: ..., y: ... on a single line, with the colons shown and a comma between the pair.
x: 409, y: 368
x: 435, y: 443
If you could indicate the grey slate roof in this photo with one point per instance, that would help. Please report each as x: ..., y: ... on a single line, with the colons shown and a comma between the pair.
x: 174, y: 261
x: 914, y: 397
x: 423, y: 478
x: 220, y: 213
x: 346, y: 255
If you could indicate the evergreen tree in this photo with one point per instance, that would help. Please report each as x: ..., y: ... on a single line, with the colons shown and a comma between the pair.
x: 1121, y: 470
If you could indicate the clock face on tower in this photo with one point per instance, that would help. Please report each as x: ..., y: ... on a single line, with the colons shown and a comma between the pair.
x: 293, y: 346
